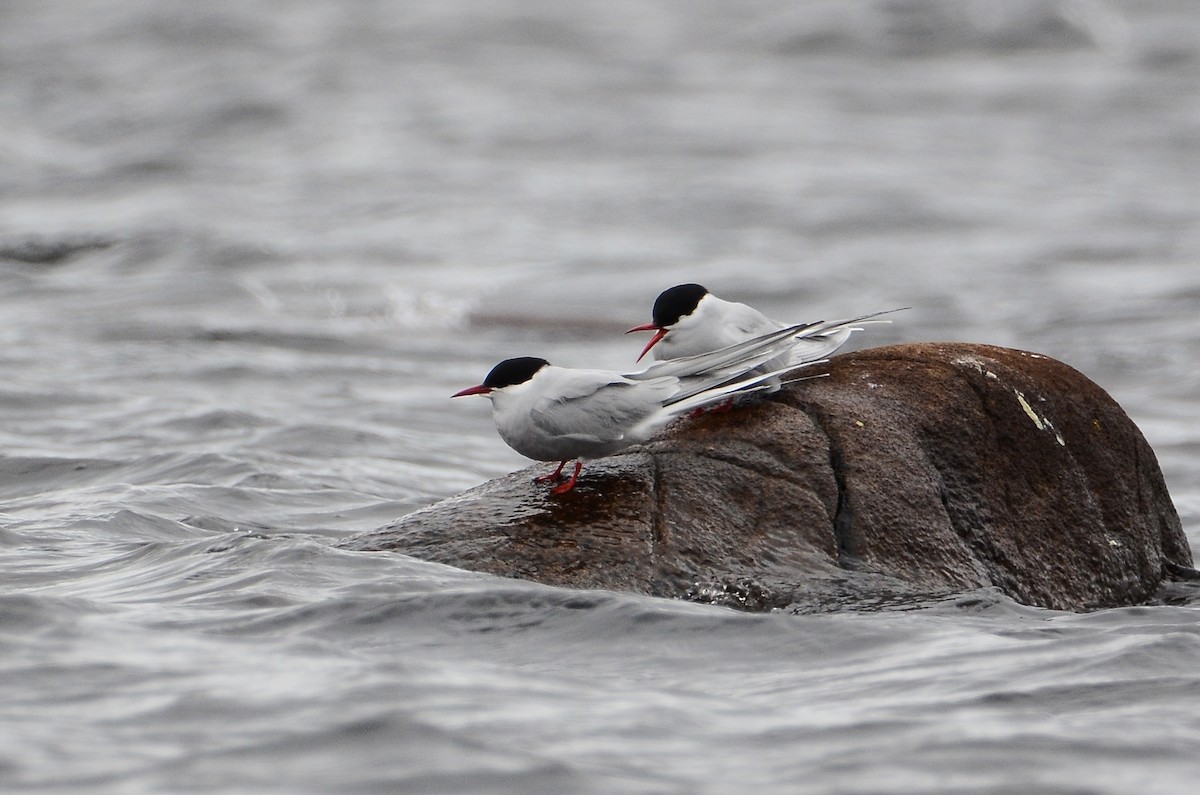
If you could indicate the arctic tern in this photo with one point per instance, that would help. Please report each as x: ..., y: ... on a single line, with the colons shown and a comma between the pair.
x: 550, y: 413
x: 688, y: 320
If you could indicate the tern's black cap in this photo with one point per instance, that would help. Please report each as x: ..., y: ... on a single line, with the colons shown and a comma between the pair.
x: 514, y: 371
x: 675, y: 302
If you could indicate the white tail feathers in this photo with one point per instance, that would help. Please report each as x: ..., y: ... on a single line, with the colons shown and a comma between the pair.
x: 757, y: 382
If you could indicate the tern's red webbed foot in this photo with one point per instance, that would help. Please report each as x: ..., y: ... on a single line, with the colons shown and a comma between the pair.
x: 555, y: 475
x: 563, y: 488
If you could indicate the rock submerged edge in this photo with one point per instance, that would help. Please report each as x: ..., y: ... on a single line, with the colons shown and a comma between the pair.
x: 910, y: 472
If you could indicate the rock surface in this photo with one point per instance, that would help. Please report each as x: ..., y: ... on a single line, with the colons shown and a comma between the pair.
x: 911, y: 471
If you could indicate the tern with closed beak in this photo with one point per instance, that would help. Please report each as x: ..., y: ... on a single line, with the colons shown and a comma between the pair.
x: 550, y: 413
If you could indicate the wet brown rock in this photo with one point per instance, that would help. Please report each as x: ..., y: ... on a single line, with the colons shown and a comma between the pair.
x: 911, y: 471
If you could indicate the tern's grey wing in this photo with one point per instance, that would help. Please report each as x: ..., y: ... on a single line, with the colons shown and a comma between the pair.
x: 819, y: 347
x: 726, y: 362
x: 601, y: 415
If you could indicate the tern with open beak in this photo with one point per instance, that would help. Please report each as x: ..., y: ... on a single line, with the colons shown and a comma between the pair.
x: 688, y: 320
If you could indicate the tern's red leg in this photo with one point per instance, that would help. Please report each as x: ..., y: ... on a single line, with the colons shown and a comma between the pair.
x: 555, y: 475
x: 562, y: 488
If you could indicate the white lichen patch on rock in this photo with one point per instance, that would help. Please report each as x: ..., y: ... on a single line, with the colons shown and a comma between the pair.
x: 1042, y: 423
x: 976, y: 365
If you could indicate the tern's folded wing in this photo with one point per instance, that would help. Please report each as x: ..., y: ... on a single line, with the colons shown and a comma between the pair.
x: 604, y: 413
x: 726, y: 362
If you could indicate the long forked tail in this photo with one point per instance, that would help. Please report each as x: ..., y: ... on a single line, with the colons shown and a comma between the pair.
x: 749, y: 384
x: 821, y: 339
x: 825, y: 326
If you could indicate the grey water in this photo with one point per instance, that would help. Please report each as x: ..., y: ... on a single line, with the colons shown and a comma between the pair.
x: 248, y: 250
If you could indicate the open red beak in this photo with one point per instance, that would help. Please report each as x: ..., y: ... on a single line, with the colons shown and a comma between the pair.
x: 659, y: 333
x: 473, y: 390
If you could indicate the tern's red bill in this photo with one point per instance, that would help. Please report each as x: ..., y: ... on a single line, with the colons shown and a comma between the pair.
x: 659, y: 333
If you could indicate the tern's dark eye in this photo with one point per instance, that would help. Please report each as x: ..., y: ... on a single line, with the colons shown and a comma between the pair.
x: 676, y: 302
x: 514, y: 371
